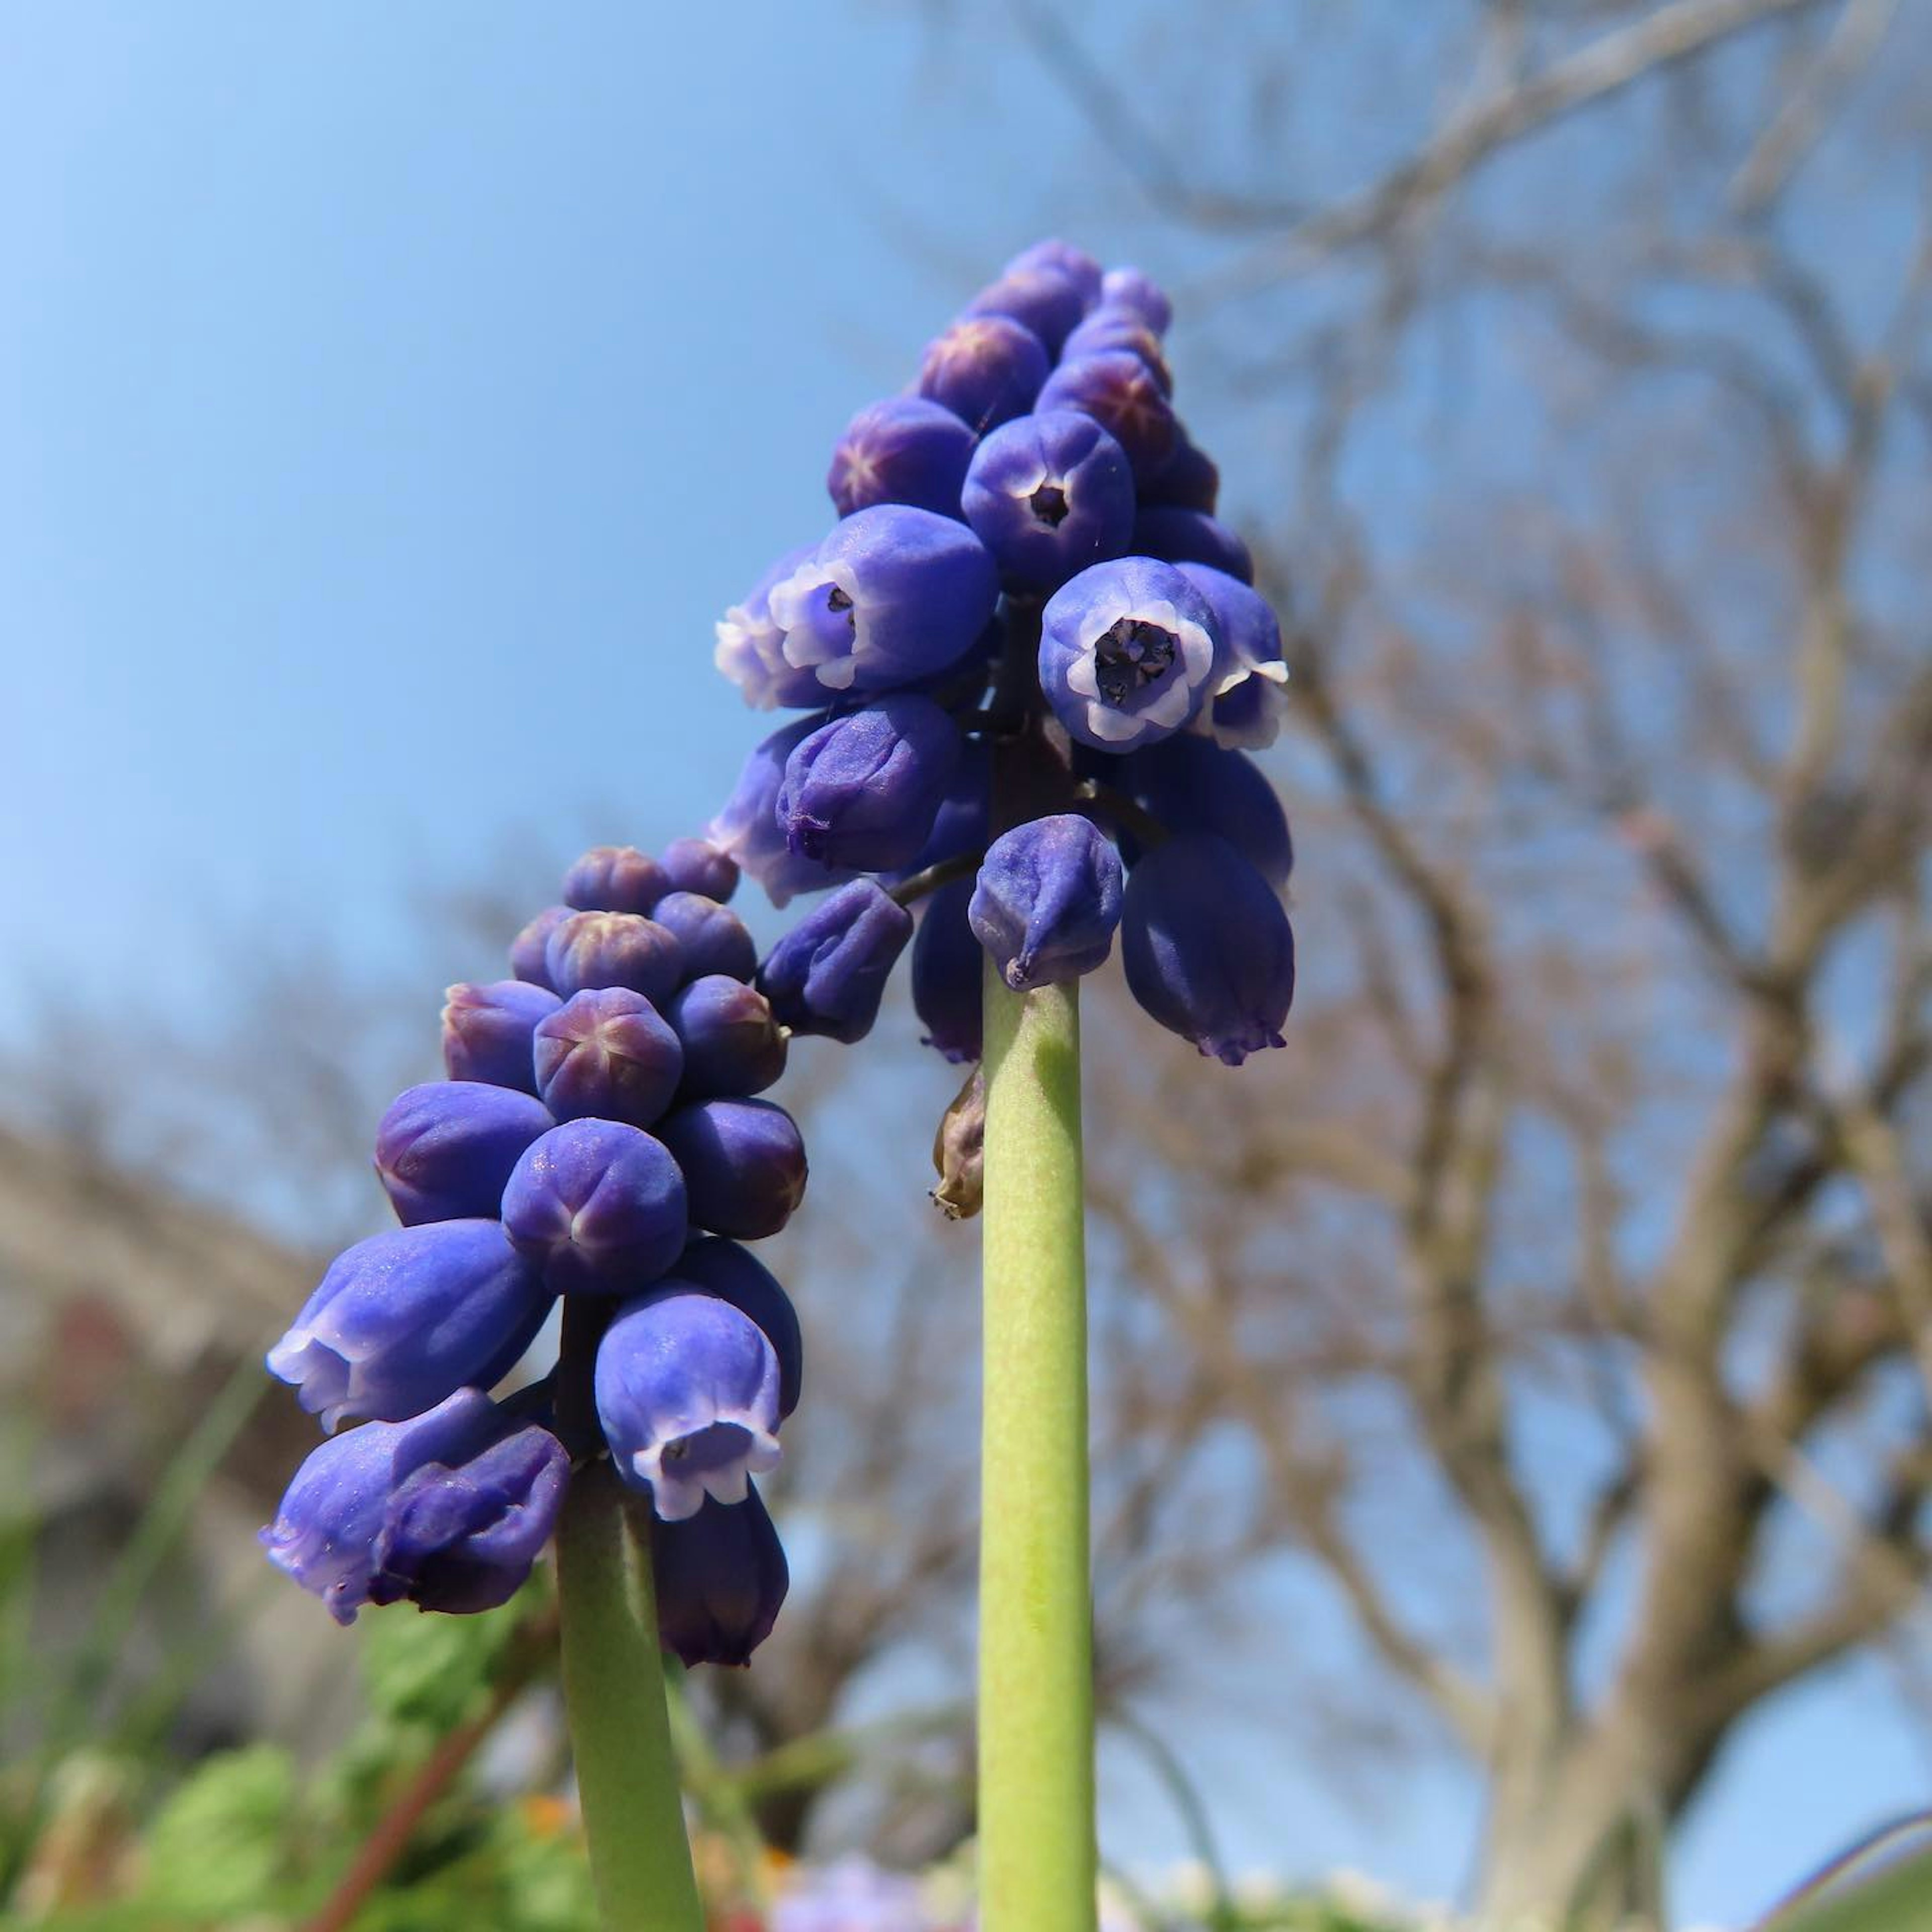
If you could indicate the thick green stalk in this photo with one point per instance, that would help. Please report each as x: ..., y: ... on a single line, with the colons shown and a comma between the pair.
x: 1036, y: 1730
x: 614, y: 1691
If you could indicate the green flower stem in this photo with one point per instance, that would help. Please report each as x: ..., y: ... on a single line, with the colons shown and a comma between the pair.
x: 1036, y: 1730
x: 613, y: 1689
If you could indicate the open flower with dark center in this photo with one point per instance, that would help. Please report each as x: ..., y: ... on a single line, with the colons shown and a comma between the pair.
x: 1128, y: 653
x: 1048, y: 495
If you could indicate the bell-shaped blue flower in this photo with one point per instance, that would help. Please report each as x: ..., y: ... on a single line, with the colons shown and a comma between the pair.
x: 1047, y: 495
x: 743, y: 1162
x: 828, y: 974
x: 1207, y: 947
x: 732, y: 1044
x: 696, y: 865
x: 448, y: 1510
x: 862, y: 790
x: 1047, y: 900
x: 721, y: 1579
x: 1124, y: 395
x: 607, y: 1054
x: 750, y: 650
x: 1253, y: 693
x: 947, y: 965
x: 1129, y: 652
x: 711, y: 938
x: 893, y: 594
x: 687, y: 1391
x: 486, y: 1032
x: 404, y: 1319
x: 747, y: 829
x: 599, y: 1206
x: 615, y: 878
x: 596, y: 950
x: 445, y: 1149
x: 907, y: 449
x: 1192, y: 785
x: 736, y: 1275
x: 986, y: 370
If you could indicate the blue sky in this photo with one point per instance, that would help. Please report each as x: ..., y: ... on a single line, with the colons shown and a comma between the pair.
x: 389, y: 399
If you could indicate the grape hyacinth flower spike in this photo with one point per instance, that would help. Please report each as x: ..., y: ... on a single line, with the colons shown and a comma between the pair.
x: 1030, y: 663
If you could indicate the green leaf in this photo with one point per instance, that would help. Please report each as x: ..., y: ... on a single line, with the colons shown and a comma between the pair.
x: 217, y: 1847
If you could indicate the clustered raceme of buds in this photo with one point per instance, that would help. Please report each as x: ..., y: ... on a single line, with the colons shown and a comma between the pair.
x: 599, y: 1140
x: 1026, y: 573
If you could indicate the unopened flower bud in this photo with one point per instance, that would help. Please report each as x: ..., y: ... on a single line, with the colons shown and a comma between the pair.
x: 1124, y: 395
x: 1075, y: 264
x: 1041, y: 299
x: 743, y: 1162
x: 1110, y: 328
x: 1192, y: 785
x: 1048, y: 495
x: 1128, y: 653
x: 1190, y: 536
x: 1047, y: 900
x: 696, y: 865
x: 445, y: 1149
x: 1253, y: 693
x: 615, y: 878
x: 959, y: 1151
x: 732, y: 1045
x: 907, y: 449
x: 486, y: 1032
x: 986, y: 370
x: 1128, y: 289
x: 607, y: 1053
x: 747, y: 829
x: 947, y: 967
x: 599, y: 1206
x: 1207, y: 947
x: 862, y: 790
x: 687, y: 1392
x: 1188, y: 480
x: 594, y: 949
x: 448, y: 1510
x: 828, y: 974
x: 721, y: 1579
x: 736, y: 1275
x: 711, y: 937
x: 406, y: 1318
x: 530, y: 950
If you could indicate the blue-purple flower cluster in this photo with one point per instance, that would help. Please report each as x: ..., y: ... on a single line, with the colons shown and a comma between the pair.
x: 1027, y: 574
x: 598, y: 1139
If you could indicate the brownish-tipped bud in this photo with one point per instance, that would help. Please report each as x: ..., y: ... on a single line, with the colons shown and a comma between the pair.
x: 959, y: 1151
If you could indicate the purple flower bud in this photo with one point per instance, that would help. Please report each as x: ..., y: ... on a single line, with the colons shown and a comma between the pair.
x: 1207, y: 948
x: 687, y: 1390
x: 1247, y: 707
x: 905, y: 450
x: 1047, y: 900
x: 1075, y: 264
x: 405, y: 1318
x: 696, y: 865
x: 1041, y: 299
x: 961, y: 824
x: 711, y: 938
x: 986, y: 370
x: 1128, y: 653
x: 1119, y: 391
x: 487, y: 1031
x: 606, y: 1053
x: 736, y: 1275
x: 1111, y: 328
x: 828, y: 974
x: 448, y: 1510
x: 947, y: 965
x: 751, y: 646
x: 1188, y: 536
x: 892, y: 595
x: 1188, y: 480
x: 445, y: 1149
x: 615, y: 878
x: 1128, y: 288
x: 743, y: 1162
x: 1047, y: 495
x: 613, y: 949
x: 1191, y: 785
x: 747, y: 829
x: 732, y: 1045
x: 528, y: 950
x: 721, y: 1579
x: 599, y: 1206
x: 862, y: 790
